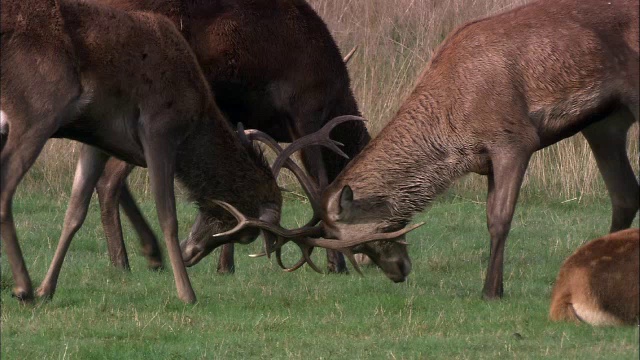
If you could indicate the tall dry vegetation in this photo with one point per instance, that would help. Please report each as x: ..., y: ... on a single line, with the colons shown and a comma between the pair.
x: 395, y: 40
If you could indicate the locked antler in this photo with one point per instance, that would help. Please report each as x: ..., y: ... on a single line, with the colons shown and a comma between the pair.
x: 311, y: 189
x: 308, y: 237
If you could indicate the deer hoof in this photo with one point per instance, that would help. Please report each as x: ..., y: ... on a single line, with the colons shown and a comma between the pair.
x: 155, y: 265
x: 23, y: 295
x: 45, y: 293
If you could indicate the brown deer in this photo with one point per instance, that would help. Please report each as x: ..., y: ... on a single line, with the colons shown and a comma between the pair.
x: 129, y: 85
x: 255, y: 82
x: 598, y: 284
x: 496, y: 91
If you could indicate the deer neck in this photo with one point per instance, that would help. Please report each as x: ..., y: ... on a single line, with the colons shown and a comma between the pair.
x: 415, y: 158
x: 213, y: 164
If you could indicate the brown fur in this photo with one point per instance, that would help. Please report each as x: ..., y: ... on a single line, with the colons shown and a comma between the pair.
x: 256, y: 82
x: 496, y: 91
x: 598, y: 284
x: 138, y: 94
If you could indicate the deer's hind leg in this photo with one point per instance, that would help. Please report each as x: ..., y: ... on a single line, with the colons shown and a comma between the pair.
x: 608, y: 141
x: 148, y: 240
x: 88, y: 170
x: 113, y: 192
x: 226, y: 264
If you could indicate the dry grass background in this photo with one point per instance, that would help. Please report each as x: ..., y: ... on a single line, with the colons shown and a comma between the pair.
x: 395, y: 40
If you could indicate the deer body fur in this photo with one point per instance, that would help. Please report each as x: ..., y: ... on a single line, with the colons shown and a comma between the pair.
x: 598, y: 284
x: 496, y: 91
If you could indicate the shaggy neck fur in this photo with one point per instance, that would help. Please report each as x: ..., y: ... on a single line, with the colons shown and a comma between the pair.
x: 415, y: 158
x: 214, y: 165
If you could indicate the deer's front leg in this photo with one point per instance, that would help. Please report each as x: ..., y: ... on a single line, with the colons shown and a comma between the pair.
x: 160, y: 154
x: 504, y: 186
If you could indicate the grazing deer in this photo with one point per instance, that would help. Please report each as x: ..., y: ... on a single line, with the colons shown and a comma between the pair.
x: 598, y: 284
x: 496, y: 91
x: 256, y: 82
x: 129, y: 85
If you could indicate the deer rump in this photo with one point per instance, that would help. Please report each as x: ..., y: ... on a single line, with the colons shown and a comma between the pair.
x: 598, y: 283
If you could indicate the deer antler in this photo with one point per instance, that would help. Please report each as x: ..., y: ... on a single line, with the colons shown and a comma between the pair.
x: 320, y: 137
x: 350, y: 55
x: 283, y: 159
x: 309, y: 187
x: 309, y: 237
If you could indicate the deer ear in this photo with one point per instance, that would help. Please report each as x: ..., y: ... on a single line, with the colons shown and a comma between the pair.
x: 346, y: 200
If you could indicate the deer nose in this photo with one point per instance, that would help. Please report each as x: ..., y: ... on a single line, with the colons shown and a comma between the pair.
x: 404, y: 268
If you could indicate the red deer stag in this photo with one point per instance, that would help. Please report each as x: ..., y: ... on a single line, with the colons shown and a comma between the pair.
x: 255, y: 82
x: 128, y: 84
x: 598, y: 284
x: 496, y: 91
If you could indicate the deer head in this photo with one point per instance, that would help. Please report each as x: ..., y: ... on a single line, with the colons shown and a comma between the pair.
x: 247, y: 183
x: 347, y: 217
x: 386, y: 247
x: 201, y: 241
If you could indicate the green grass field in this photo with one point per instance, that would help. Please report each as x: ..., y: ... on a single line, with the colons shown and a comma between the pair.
x: 263, y: 312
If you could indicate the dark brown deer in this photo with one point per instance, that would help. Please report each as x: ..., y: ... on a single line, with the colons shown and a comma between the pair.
x: 256, y: 82
x: 496, y: 91
x: 127, y: 84
x: 598, y: 284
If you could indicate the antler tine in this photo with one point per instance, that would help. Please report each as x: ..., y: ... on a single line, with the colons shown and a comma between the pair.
x: 258, y: 135
x: 276, y: 229
x: 242, y: 220
x: 242, y: 134
x: 303, y: 237
x: 344, y: 246
x: 339, y: 245
x: 284, y: 235
x: 309, y: 187
x: 320, y: 137
x: 349, y: 255
x: 350, y: 54
x: 295, y: 267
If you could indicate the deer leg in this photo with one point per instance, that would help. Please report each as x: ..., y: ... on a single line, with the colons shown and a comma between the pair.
x: 90, y: 166
x: 108, y: 188
x: 608, y: 141
x: 113, y: 190
x: 18, y: 155
x: 161, y: 162
x: 225, y: 262
x: 504, y: 182
x: 150, y: 247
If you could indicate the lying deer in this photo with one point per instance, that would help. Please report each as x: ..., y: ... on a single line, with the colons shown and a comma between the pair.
x: 129, y: 85
x: 256, y: 82
x: 598, y: 284
x: 496, y: 91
